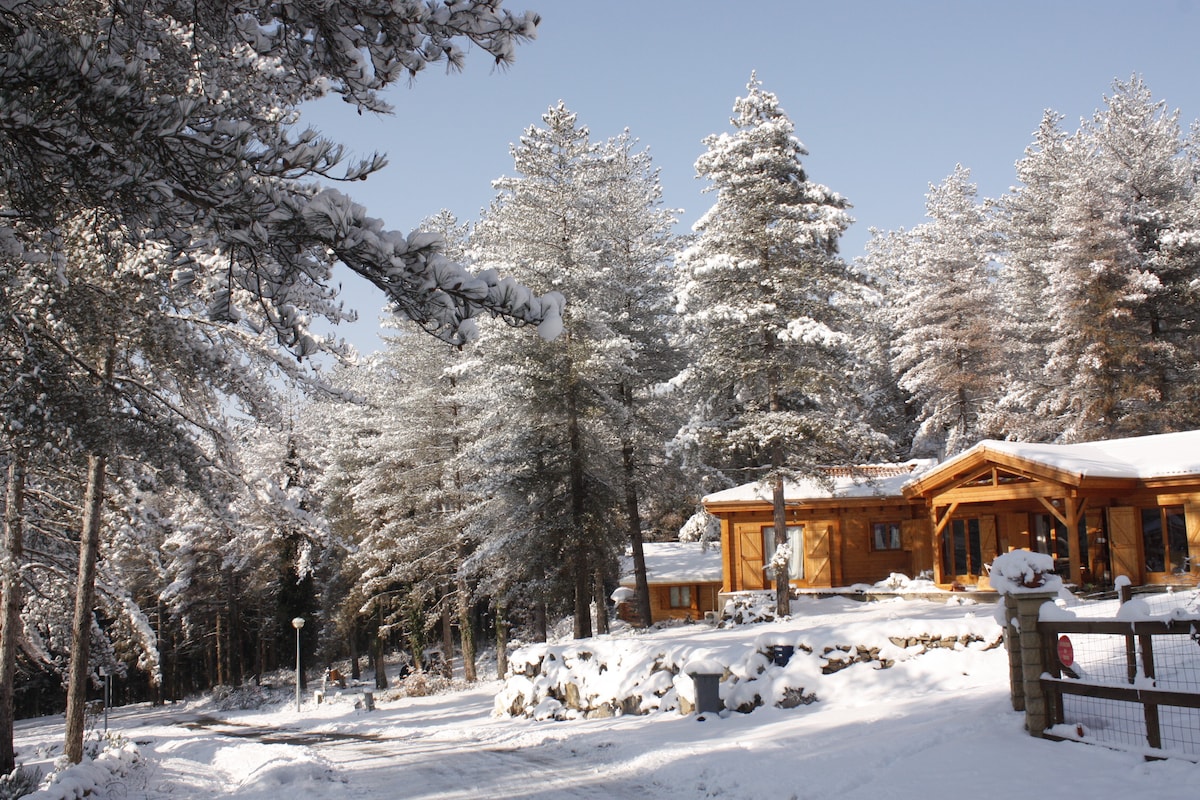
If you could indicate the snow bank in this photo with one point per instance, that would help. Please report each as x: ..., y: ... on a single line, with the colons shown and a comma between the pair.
x: 90, y: 777
x: 787, y: 664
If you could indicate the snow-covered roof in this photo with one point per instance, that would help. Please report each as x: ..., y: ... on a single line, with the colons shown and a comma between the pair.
x: 870, y: 480
x: 1140, y: 457
x: 677, y: 562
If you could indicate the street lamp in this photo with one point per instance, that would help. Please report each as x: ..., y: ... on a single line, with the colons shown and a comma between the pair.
x: 298, y: 623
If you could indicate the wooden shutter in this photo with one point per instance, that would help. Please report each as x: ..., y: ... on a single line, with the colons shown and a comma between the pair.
x: 987, y: 543
x: 817, y: 542
x: 750, y: 556
x: 915, y: 536
x: 1191, y: 513
x: 854, y: 560
x: 1124, y: 543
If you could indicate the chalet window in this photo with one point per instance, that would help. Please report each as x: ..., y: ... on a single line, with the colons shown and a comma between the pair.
x: 681, y: 597
x: 1050, y: 537
x: 886, y: 535
x: 961, y: 550
x: 795, y: 540
x: 1164, y: 539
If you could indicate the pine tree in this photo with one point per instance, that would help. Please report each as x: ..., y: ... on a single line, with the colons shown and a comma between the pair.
x: 1112, y: 210
x: 1028, y: 239
x: 163, y: 140
x: 946, y: 353
x: 764, y: 297
x: 565, y: 430
x: 180, y: 125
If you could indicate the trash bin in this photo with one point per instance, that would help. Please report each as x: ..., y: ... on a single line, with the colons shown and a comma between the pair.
x: 781, y: 654
x: 708, y: 692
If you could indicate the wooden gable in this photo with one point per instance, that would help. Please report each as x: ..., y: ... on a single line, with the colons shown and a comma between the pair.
x: 983, y: 475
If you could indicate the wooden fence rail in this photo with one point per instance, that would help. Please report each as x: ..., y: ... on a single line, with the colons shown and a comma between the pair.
x: 1149, y: 665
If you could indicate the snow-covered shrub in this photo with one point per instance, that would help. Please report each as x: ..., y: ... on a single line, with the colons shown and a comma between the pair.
x: 117, y: 759
x: 247, y: 697
x: 20, y: 782
x: 424, y: 683
x: 1024, y: 570
x: 701, y: 527
x: 748, y: 608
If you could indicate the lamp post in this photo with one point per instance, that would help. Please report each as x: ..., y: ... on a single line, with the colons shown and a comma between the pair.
x: 298, y: 623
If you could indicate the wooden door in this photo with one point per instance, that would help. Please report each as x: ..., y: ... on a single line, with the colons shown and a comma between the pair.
x: 1125, y: 543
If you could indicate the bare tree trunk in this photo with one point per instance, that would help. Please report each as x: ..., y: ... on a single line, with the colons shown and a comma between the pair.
x: 502, y: 639
x: 466, y: 631
x: 540, y: 632
x: 447, y: 641
x: 579, y: 555
x: 355, y: 672
x: 377, y: 645
x: 218, y: 639
x: 236, y: 625
x: 85, y: 593
x: 633, y: 519
x: 160, y: 645
x: 601, y: 602
x: 783, y: 584
x: 583, y: 597
x: 10, y: 604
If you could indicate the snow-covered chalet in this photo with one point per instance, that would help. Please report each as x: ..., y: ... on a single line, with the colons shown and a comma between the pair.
x: 1101, y: 509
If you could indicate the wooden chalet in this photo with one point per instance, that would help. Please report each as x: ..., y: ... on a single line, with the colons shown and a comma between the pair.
x: 1101, y: 509
x: 853, y: 526
x: 684, y: 579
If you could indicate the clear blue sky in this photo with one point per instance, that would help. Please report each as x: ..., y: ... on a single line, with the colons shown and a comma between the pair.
x: 886, y: 96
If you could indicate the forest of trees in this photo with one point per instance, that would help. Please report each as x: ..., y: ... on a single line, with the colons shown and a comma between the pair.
x: 182, y: 478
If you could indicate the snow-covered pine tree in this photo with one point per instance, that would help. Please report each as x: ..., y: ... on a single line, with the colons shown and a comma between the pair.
x: 1122, y: 357
x: 1028, y: 241
x: 173, y: 129
x: 631, y: 315
x: 180, y: 123
x: 763, y: 297
x: 947, y: 351
x: 565, y: 435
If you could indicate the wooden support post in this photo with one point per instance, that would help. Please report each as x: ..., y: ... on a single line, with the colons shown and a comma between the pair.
x: 939, y: 525
x: 1150, y: 709
x: 1071, y: 512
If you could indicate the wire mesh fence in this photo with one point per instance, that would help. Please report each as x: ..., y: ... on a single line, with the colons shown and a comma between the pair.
x: 1131, y: 684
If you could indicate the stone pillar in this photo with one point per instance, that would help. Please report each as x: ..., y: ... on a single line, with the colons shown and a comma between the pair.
x: 1012, y: 643
x: 1029, y: 605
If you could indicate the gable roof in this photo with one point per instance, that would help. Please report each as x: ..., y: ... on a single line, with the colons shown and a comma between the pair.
x: 863, y: 481
x: 1108, y: 461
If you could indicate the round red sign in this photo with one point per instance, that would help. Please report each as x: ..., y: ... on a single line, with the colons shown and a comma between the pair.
x: 1066, y: 653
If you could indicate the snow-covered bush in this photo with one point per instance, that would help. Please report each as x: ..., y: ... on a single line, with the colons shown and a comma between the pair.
x: 423, y: 683
x: 246, y: 697
x: 19, y: 783
x: 1024, y: 570
x: 748, y: 608
x: 117, y: 759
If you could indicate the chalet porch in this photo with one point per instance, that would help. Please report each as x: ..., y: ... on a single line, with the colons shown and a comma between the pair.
x: 1092, y: 507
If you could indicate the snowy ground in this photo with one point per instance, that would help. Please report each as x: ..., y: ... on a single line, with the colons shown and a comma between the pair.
x: 933, y: 725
